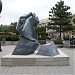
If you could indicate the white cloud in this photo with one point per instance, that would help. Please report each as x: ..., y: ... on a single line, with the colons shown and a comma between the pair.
x: 12, y: 9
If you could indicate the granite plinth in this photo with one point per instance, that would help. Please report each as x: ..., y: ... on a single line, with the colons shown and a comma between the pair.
x: 25, y: 60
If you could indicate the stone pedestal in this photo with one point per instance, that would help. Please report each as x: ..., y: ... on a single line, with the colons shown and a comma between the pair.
x: 25, y: 60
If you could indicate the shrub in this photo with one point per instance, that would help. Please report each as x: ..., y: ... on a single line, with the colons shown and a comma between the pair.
x: 10, y: 37
x: 66, y: 38
x: 41, y: 31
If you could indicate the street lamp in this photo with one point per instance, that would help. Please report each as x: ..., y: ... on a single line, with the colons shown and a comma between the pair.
x: 0, y: 12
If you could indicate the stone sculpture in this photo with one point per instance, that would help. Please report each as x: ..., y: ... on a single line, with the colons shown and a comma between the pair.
x: 49, y: 49
x: 28, y: 40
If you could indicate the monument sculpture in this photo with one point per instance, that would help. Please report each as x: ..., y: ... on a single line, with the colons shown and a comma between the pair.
x: 28, y: 40
x: 28, y: 52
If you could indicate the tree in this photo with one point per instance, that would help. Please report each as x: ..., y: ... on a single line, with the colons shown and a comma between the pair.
x: 41, y: 31
x: 13, y: 26
x: 60, y: 16
x: 4, y: 28
x: 73, y: 21
x: 74, y: 26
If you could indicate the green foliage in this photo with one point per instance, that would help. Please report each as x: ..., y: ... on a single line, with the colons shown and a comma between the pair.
x: 73, y: 21
x: 10, y: 37
x: 73, y: 27
x: 41, y: 31
x: 54, y: 27
x: 9, y: 28
x: 68, y: 28
x: 13, y: 27
x: 5, y: 28
x: 66, y: 38
x: 60, y: 16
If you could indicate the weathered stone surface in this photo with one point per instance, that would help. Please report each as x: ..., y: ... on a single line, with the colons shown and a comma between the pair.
x: 28, y: 41
x: 49, y: 49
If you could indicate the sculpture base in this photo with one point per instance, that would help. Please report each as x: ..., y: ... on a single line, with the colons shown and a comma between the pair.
x: 25, y: 60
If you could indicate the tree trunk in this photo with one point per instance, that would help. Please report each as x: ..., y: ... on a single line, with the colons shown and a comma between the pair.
x: 60, y: 32
x: 0, y: 44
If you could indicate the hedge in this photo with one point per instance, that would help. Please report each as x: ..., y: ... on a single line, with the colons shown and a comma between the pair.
x: 10, y: 37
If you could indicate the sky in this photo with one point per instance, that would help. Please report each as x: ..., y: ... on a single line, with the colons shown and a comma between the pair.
x: 13, y: 9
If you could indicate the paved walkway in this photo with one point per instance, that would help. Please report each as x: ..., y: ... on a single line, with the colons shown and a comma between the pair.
x: 38, y: 70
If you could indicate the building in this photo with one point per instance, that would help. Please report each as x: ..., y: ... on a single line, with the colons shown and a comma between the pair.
x: 44, y: 22
x: 73, y: 17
